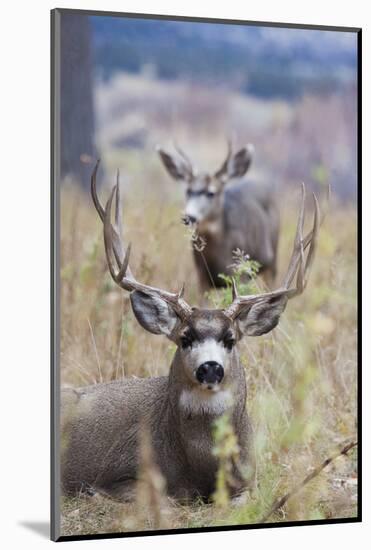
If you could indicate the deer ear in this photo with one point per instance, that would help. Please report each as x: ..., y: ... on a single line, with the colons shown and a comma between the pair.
x: 262, y: 317
x: 175, y: 166
x: 240, y: 162
x: 153, y: 313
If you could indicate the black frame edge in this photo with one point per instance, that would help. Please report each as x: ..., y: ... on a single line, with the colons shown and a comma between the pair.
x: 359, y: 268
x: 54, y: 278
x: 53, y: 534
x: 196, y: 19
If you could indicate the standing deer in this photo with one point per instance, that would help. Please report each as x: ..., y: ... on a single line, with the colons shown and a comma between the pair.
x: 102, y: 423
x: 241, y: 216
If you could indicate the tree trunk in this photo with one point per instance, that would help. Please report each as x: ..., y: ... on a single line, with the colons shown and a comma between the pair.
x: 77, y: 113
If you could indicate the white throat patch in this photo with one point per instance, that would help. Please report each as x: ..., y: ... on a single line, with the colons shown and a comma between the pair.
x: 199, y: 401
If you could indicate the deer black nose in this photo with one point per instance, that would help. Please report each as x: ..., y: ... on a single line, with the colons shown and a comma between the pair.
x: 189, y: 220
x: 210, y: 373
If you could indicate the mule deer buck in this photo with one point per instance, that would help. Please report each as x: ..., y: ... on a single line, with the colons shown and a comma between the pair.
x: 240, y: 216
x: 103, y: 422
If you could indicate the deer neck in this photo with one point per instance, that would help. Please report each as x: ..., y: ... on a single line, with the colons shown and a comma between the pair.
x: 192, y: 413
x: 213, y: 226
x: 191, y: 403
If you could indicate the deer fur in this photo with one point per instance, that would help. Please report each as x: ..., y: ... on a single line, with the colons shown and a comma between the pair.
x: 228, y: 212
x: 101, y: 425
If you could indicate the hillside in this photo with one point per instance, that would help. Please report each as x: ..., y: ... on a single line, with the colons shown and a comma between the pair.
x: 262, y: 61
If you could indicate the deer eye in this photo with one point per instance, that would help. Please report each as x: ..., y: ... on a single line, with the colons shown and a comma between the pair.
x: 229, y: 342
x: 210, y: 194
x: 186, y: 342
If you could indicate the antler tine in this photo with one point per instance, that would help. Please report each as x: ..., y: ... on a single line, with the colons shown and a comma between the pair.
x: 93, y: 186
x: 310, y: 238
x: 124, y: 277
x: 117, y: 231
x: 118, y: 216
x: 108, y: 244
x: 291, y: 270
x: 117, y: 245
x: 299, y: 265
x: 234, y: 289
x: 305, y: 265
x: 322, y: 216
x: 181, y: 291
x: 313, y: 245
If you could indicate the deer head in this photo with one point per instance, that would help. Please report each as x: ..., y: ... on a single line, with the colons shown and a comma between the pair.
x: 204, y: 191
x: 206, y: 339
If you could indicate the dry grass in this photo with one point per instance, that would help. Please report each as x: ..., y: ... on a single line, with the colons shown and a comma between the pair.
x: 301, y: 378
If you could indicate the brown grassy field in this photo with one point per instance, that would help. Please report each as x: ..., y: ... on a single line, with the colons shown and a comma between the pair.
x: 301, y: 378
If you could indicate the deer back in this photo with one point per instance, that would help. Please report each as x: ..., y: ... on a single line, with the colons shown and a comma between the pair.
x: 249, y: 223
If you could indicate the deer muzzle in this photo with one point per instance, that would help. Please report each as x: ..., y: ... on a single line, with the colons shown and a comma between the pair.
x: 189, y: 220
x: 210, y: 373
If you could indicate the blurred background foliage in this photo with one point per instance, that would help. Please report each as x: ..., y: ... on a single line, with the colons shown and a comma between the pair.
x: 131, y: 83
x: 292, y: 93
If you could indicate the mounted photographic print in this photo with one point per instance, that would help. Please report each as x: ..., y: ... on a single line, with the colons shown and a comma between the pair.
x: 205, y: 205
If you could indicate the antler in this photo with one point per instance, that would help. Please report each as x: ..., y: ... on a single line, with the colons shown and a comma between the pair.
x: 116, y: 236
x: 118, y: 257
x: 223, y: 169
x: 299, y: 265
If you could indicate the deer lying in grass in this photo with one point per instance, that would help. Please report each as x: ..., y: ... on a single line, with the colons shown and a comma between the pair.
x: 103, y: 422
x: 240, y: 216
